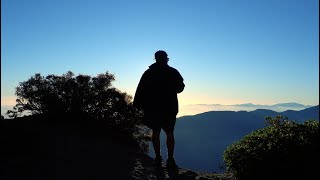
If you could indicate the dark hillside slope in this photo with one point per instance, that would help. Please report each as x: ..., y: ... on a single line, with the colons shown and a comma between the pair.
x: 303, y: 115
x: 201, y: 139
x: 35, y: 149
x: 208, y: 134
x: 311, y: 113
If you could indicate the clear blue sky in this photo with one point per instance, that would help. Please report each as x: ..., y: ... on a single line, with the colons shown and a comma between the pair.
x: 228, y: 51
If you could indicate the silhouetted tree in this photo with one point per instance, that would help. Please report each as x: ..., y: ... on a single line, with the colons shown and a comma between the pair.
x: 78, y: 97
x: 64, y: 94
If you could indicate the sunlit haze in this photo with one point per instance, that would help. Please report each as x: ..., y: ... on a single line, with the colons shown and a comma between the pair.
x: 228, y: 51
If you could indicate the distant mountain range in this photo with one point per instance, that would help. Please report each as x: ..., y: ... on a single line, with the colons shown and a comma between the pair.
x: 193, y: 109
x: 202, y: 138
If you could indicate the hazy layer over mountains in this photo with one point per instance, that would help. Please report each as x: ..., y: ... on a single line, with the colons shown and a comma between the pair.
x: 200, y: 108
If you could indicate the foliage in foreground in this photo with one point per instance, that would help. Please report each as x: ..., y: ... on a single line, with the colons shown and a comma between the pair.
x: 283, y: 149
x: 79, y: 98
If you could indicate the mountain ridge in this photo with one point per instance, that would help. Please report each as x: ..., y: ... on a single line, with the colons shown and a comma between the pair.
x: 208, y: 134
x: 193, y: 109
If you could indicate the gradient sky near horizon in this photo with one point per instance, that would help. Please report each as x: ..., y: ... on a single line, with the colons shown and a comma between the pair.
x: 228, y: 51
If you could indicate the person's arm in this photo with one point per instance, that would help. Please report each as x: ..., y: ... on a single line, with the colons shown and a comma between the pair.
x: 138, y: 97
x: 179, y: 80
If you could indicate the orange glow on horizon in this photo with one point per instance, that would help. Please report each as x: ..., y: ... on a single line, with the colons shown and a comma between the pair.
x: 8, y: 101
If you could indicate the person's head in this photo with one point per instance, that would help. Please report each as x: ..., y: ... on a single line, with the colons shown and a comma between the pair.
x: 161, y: 56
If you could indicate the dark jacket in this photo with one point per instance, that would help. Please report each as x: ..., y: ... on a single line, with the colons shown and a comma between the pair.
x: 157, y: 90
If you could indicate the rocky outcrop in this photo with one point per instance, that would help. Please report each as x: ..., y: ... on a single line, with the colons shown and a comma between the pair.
x: 144, y: 169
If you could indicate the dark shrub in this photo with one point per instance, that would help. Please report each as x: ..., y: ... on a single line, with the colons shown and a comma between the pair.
x: 282, y: 150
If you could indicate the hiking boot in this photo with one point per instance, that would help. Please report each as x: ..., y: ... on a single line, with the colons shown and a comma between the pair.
x: 158, y: 161
x: 171, y: 163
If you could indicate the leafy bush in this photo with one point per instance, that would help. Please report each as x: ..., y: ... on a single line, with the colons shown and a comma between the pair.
x: 284, y: 149
x: 79, y: 98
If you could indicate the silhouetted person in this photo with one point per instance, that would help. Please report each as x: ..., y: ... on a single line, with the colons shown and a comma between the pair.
x: 156, y: 95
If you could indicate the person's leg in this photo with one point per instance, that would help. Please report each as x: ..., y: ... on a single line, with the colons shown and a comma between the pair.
x: 170, y: 143
x: 168, y: 127
x: 171, y: 163
x: 156, y: 141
